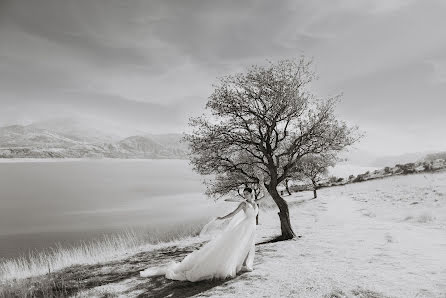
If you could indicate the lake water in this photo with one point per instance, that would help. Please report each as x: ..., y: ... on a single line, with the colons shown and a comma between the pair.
x: 44, y: 202
x: 48, y: 202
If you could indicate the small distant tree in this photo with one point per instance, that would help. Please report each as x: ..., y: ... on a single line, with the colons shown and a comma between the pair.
x: 268, y: 114
x: 287, y: 187
x: 314, y: 168
x: 333, y: 179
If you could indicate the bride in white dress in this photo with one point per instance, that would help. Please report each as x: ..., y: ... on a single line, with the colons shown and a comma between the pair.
x: 224, y: 256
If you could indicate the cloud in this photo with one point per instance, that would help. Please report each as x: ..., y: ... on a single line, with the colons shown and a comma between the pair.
x: 439, y: 69
x: 132, y: 61
x: 374, y: 6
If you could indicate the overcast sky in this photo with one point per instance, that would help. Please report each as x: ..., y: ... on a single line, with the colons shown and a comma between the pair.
x: 149, y: 65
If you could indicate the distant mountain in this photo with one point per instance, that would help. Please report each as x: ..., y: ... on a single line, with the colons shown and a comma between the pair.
x: 79, y: 129
x: 23, y: 136
x: 18, y: 141
x: 363, y: 158
x: 358, y: 157
x: 171, y: 139
x: 399, y: 159
x: 158, y: 147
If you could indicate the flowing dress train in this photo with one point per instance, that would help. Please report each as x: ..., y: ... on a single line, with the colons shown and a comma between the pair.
x: 221, y: 257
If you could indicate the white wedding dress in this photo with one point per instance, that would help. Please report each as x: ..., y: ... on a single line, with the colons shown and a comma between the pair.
x: 221, y: 257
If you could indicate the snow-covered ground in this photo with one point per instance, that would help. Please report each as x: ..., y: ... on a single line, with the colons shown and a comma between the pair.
x: 382, y: 238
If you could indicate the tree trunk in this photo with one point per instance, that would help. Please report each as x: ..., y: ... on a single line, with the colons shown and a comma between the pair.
x: 286, y: 186
x: 256, y: 195
x: 257, y: 217
x: 284, y: 215
x: 314, y: 189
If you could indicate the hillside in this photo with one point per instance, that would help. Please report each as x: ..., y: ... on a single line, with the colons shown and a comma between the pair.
x: 438, y: 155
x: 424, y: 166
x: 430, y: 164
x: 18, y: 141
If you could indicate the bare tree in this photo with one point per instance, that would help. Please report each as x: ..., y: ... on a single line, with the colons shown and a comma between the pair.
x: 313, y: 168
x: 265, y: 120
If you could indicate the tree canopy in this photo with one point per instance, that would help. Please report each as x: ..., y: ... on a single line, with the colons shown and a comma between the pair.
x: 265, y: 120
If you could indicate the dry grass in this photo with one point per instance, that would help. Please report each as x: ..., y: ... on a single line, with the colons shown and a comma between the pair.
x: 77, y: 279
x: 58, y: 257
x: 103, y: 249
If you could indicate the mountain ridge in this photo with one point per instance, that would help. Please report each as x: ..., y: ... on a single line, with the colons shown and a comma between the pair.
x: 30, y: 141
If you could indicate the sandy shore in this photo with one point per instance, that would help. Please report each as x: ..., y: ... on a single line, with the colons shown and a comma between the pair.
x: 383, y: 238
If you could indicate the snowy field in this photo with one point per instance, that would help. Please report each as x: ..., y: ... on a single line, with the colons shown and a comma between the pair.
x: 384, y: 237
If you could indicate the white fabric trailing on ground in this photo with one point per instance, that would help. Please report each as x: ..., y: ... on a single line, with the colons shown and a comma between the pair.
x: 221, y: 257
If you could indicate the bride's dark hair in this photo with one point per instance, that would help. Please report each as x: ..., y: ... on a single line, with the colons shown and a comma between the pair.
x: 248, y: 189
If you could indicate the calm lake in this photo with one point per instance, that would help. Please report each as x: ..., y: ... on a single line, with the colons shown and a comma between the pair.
x: 44, y: 202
